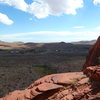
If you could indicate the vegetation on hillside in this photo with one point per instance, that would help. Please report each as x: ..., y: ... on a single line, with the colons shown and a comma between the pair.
x: 19, y: 67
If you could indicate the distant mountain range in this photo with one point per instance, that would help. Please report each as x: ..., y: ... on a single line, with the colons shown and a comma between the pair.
x: 85, y: 42
x: 29, y: 45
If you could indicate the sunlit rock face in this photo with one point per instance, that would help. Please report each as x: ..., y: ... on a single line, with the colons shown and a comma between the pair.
x: 93, y: 57
x: 66, y: 86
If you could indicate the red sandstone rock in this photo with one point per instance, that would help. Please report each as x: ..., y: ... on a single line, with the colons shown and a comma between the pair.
x: 46, y: 85
x: 93, y: 72
x: 66, y: 86
x: 93, y: 57
x: 92, y: 64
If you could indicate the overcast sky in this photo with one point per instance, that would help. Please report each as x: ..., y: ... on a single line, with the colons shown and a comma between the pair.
x: 49, y: 20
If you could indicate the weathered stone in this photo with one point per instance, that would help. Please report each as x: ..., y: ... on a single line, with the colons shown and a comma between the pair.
x: 93, y: 72
x: 48, y: 86
x: 93, y: 58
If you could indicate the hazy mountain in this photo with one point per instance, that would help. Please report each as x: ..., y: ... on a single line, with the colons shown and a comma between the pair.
x: 85, y: 42
x: 22, y: 45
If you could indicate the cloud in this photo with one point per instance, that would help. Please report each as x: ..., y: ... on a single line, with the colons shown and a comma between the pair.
x: 5, y: 20
x: 96, y: 2
x: 44, y: 8
x: 78, y: 27
x: 19, y: 4
x: 50, y: 36
x: 98, y: 28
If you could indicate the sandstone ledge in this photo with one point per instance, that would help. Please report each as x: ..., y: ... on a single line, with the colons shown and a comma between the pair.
x: 66, y: 86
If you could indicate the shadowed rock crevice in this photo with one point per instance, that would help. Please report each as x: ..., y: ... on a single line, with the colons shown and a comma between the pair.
x: 46, y: 95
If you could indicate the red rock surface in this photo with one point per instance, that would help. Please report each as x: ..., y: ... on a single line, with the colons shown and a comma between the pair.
x: 93, y: 72
x: 46, y: 87
x: 93, y: 56
x: 66, y: 86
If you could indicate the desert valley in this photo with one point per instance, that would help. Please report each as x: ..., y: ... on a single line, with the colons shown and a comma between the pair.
x: 22, y: 63
x: 49, y: 50
x: 69, y: 85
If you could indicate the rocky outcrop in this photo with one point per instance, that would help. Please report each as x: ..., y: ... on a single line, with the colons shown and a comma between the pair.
x: 93, y: 57
x: 93, y: 72
x: 66, y: 86
x: 45, y: 87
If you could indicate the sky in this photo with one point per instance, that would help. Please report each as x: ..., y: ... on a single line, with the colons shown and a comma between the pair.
x: 49, y: 20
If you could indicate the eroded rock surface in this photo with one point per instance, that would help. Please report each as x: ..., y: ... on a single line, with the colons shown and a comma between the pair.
x: 93, y: 58
x: 67, y: 86
x: 93, y: 72
x: 47, y: 85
